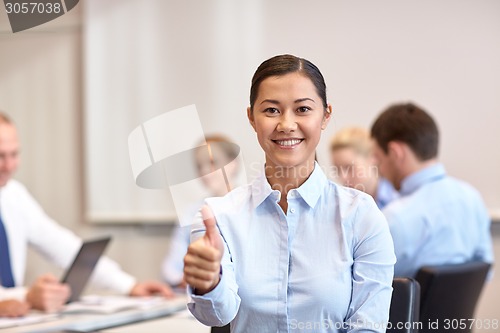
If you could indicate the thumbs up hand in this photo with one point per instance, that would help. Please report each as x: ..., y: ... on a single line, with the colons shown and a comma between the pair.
x: 203, y: 258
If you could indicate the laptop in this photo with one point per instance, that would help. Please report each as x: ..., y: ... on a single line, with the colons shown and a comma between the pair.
x: 83, y: 265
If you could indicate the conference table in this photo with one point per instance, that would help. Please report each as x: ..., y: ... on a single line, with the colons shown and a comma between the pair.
x: 181, y: 322
x: 161, y: 316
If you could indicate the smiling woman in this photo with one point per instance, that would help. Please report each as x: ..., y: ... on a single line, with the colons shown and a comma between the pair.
x: 295, y: 247
x: 288, y: 113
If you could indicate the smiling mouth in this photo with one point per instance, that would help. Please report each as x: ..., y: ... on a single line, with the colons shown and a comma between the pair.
x: 288, y: 142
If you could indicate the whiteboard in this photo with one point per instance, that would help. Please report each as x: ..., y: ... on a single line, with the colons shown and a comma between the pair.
x: 143, y: 58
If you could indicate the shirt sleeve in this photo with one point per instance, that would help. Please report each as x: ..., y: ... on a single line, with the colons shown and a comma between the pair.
x: 219, y: 306
x: 372, y: 271
x: 18, y: 293
x: 484, y: 249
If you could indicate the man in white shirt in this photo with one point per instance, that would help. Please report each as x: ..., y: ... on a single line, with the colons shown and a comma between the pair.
x: 25, y: 223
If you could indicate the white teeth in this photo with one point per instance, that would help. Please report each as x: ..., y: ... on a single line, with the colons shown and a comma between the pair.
x: 288, y: 142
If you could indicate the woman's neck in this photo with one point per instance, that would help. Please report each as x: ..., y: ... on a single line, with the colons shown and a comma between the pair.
x: 285, y: 179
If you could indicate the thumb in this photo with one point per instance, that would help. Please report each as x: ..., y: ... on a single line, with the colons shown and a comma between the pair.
x: 211, y: 230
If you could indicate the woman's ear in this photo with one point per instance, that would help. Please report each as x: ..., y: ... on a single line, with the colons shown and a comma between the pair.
x: 251, y: 118
x: 327, y: 116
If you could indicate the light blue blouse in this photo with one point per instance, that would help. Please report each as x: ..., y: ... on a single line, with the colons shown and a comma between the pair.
x: 438, y: 220
x: 325, y: 266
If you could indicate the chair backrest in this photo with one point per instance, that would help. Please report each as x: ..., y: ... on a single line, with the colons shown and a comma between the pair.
x: 222, y: 329
x: 405, y: 306
x: 449, y: 294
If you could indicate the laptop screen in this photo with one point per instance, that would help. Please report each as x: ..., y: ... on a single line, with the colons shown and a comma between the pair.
x: 83, y: 265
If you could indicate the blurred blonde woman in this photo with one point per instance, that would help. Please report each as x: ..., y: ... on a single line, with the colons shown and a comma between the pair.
x: 221, y: 152
x: 351, y: 151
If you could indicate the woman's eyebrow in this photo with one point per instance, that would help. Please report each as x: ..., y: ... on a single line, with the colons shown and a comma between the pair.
x: 300, y: 100
x: 273, y: 101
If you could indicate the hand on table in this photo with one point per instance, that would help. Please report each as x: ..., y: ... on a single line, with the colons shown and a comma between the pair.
x: 13, y: 308
x: 151, y: 288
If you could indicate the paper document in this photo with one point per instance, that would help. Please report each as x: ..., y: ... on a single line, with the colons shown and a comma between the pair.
x: 32, y: 318
x: 110, y: 304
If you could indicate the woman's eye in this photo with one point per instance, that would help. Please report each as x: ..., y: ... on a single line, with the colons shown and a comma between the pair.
x: 303, y: 109
x: 271, y: 111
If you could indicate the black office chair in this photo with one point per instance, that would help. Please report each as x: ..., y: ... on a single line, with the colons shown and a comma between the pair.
x: 223, y: 329
x: 449, y: 295
x: 405, y: 306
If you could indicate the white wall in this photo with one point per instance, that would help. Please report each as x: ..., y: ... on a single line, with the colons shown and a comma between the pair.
x: 143, y: 58
x: 443, y: 55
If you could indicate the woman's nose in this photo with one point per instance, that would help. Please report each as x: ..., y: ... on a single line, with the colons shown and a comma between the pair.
x: 287, y: 123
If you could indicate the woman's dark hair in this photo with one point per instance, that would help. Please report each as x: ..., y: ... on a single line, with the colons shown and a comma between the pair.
x: 284, y: 64
x: 409, y: 124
